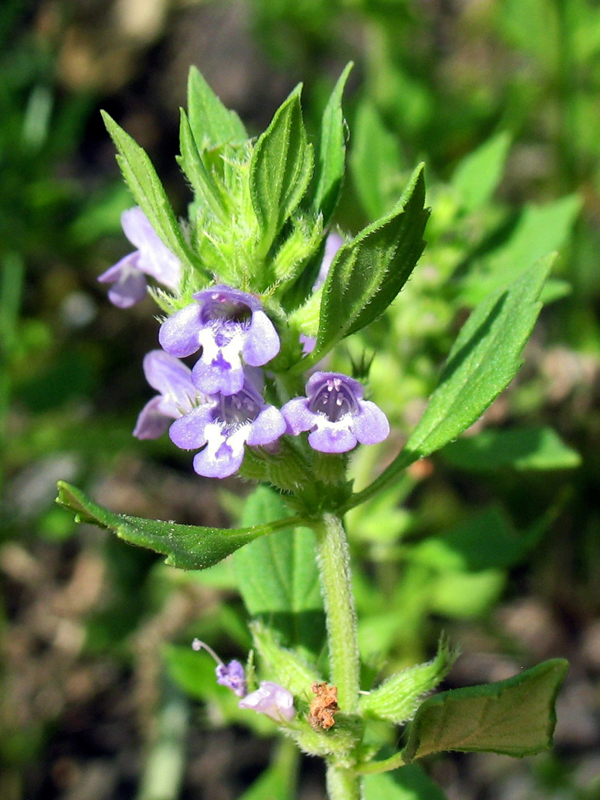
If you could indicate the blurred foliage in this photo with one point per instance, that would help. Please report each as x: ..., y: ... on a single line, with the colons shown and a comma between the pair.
x: 501, y: 101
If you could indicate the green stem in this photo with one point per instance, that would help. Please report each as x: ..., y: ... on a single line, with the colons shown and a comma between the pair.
x: 343, y: 784
x: 334, y: 567
x: 374, y: 767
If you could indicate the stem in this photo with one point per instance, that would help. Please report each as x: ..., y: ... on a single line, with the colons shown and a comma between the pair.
x: 375, y: 767
x: 334, y: 567
x: 342, y: 784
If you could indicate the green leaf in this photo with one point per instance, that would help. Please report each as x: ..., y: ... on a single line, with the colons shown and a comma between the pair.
x: 330, y: 164
x: 397, y: 698
x: 540, y: 230
x: 518, y: 448
x: 466, y: 595
x: 482, y: 362
x: 375, y: 162
x: 148, y: 191
x: 281, y: 168
x: 407, y: 783
x: 485, y: 541
x: 278, y: 781
x: 191, y: 163
x: 186, y: 546
x: 212, y: 124
x: 367, y: 274
x: 477, y: 176
x: 515, y: 717
x: 278, y: 577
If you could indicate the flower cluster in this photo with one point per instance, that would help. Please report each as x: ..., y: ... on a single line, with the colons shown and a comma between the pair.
x: 217, y: 406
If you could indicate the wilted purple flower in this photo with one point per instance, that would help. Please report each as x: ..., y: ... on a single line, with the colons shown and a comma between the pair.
x: 231, y: 327
x: 152, y: 257
x: 177, y: 397
x: 231, y: 675
x: 271, y: 699
x: 223, y: 425
x: 336, y: 414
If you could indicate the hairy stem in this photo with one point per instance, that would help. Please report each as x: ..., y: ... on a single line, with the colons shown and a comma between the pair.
x: 334, y: 567
x: 343, y: 784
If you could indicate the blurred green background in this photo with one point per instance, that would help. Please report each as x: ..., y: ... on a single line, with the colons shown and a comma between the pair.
x: 496, y: 541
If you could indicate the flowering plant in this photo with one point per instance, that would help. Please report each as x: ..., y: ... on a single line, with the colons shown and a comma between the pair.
x: 257, y: 290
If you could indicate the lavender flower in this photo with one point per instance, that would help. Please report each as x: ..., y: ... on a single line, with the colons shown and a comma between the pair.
x: 231, y: 675
x: 152, y: 257
x: 336, y: 414
x: 271, y: 699
x: 223, y: 425
x: 178, y: 395
x: 332, y: 244
x: 231, y: 328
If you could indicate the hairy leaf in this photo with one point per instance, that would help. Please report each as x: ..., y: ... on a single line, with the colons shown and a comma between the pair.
x: 330, y: 164
x: 515, y: 717
x: 281, y: 168
x: 211, y: 123
x: 482, y: 362
x: 368, y: 272
x: 186, y: 546
x: 148, y: 191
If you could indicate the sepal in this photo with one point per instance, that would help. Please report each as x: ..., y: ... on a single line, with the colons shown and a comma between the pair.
x: 398, y: 698
x: 281, y: 664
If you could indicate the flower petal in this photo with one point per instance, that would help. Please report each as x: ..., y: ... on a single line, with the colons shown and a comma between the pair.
x: 332, y: 438
x: 371, y: 425
x: 168, y: 375
x: 262, y: 341
x: 298, y: 416
x: 151, y: 422
x: 271, y: 699
x: 155, y: 257
x: 220, y: 464
x: 178, y: 334
x: 267, y: 427
x: 128, y: 291
x: 188, y: 432
x: 218, y: 375
x: 233, y: 676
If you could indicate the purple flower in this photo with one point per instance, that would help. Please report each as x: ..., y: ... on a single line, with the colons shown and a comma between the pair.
x: 177, y: 397
x: 336, y: 414
x: 332, y: 244
x: 223, y: 425
x: 231, y: 328
x: 271, y: 699
x: 233, y: 676
x: 152, y: 257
